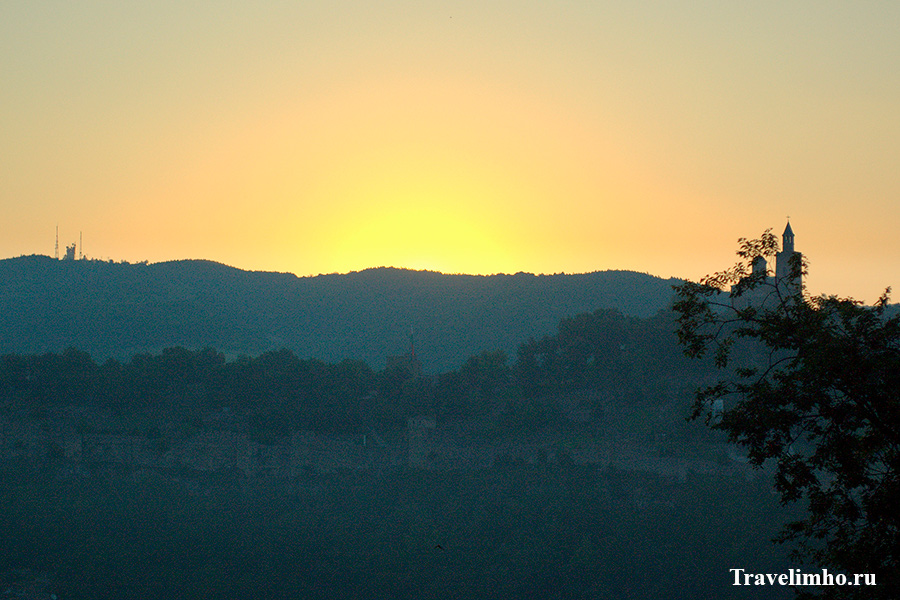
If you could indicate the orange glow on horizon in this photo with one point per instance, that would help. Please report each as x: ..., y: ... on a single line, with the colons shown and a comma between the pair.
x: 329, y: 137
x: 439, y: 175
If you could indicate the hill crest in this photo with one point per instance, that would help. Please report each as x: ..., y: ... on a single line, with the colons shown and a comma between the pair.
x: 119, y: 309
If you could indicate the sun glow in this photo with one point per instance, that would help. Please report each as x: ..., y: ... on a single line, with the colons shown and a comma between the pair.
x: 318, y: 137
x: 439, y: 175
x: 420, y: 212
x: 448, y: 174
x: 420, y: 237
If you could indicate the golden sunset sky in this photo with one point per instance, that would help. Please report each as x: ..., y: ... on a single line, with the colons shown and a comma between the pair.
x: 464, y: 137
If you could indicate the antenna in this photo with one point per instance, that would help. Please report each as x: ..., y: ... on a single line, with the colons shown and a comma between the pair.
x: 56, y: 250
x: 80, y: 247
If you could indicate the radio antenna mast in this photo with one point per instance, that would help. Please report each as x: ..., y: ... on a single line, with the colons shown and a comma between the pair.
x: 80, y: 246
x: 56, y: 250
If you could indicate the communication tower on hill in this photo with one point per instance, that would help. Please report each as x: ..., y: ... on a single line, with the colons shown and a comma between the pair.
x: 71, y: 248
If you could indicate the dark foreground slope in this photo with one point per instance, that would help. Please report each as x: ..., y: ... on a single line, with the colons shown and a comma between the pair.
x: 118, y: 309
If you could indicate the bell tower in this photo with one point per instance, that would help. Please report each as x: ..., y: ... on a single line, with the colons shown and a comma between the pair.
x: 787, y: 239
x: 787, y: 262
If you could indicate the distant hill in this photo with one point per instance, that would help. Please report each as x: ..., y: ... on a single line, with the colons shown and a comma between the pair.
x: 119, y: 309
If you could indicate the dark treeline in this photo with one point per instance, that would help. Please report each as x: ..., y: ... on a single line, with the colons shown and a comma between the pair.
x: 615, y: 358
x: 189, y: 382
x: 549, y: 528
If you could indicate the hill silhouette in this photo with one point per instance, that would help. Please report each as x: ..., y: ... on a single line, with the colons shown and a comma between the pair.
x: 119, y: 309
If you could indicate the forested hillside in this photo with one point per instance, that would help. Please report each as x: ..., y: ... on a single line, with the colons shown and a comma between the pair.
x: 119, y: 309
x: 593, y: 359
x: 566, y: 470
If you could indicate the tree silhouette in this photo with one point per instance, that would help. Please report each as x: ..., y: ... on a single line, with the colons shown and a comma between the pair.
x: 812, y: 386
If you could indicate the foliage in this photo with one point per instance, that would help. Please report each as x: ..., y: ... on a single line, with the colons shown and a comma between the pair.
x: 609, y: 357
x: 550, y: 529
x: 812, y: 386
x: 592, y: 359
x: 585, y: 352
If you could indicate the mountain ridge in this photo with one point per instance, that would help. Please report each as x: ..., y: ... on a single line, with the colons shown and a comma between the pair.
x: 119, y: 309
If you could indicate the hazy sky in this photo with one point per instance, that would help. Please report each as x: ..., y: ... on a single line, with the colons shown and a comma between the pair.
x: 476, y: 137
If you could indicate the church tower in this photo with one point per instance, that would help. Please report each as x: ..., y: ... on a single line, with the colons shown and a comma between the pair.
x: 785, y: 260
x: 787, y: 239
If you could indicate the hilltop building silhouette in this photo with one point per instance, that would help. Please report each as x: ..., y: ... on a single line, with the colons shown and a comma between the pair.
x: 785, y: 261
x: 787, y: 280
x: 70, y: 249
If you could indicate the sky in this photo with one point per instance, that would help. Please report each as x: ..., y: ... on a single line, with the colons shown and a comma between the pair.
x: 457, y: 136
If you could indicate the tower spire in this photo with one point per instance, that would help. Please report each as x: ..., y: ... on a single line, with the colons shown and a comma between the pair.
x: 788, y: 261
x: 787, y: 238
